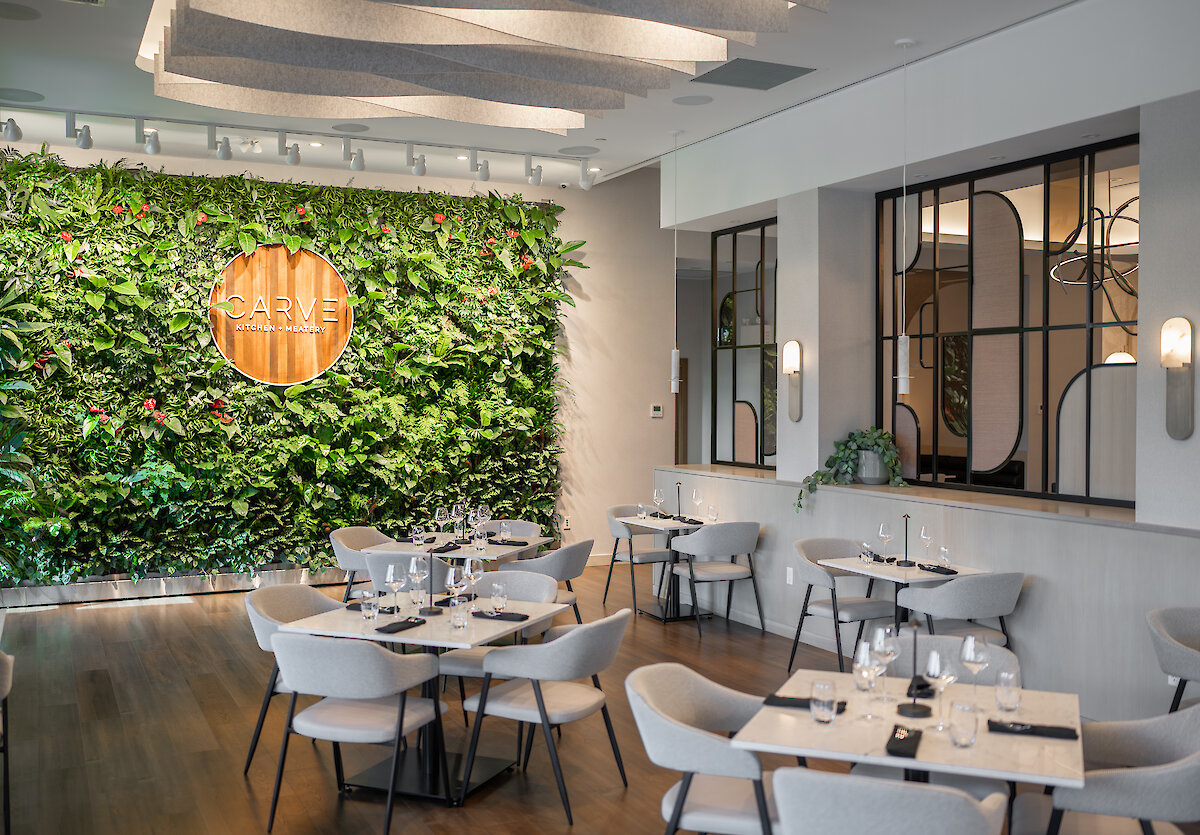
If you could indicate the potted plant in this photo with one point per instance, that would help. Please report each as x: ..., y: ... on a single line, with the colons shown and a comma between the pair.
x: 868, y: 455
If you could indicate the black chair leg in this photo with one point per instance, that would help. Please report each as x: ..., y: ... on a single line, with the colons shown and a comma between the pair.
x: 338, y: 771
x: 558, y: 775
x: 524, y: 761
x: 466, y: 778
x: 632, y: 576
x: 762, y: 622
x: 695, y: 600
x: 862, y: 624
x: 1147, y: 827
x: 929, y: 624
x: 799, y: 626
x: 760, y: 797
x: 4, y: 731
x: 462, y: 699
x: 611, y: 563
x: 520, y: 740
x: 349, y: 583
x: 612, y: 735
x: 262, y: 715
x: 391, y: 791
x: 837, y: 631
x: 1055, y: 822
x: 1174, y: 702
x: 680, y: 799
x: 287, y: 732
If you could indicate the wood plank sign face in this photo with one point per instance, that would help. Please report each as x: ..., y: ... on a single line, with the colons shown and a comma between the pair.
x: 288, y: 320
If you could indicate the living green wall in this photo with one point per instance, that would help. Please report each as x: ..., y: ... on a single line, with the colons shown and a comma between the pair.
x: 128, y: 443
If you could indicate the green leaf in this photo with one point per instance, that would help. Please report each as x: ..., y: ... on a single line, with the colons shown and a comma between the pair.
x: 125, y: 288
x: 174, y: 425
x: 247, y: 242
x: 63, y: 353
x: 179, y: 321
x: 138, y: 336
x: 103, y: 343
x: 292, y: 242
x: 94, y: 300
x: 241, y: 507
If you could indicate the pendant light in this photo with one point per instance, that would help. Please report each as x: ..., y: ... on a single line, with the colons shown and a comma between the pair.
x: 675, y: 262
x: 902, y: 348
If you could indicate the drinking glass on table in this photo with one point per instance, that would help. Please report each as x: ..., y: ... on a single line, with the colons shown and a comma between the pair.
x: 418, y: 571
x: 418, y: 534
x: 458, y: 513
x: 697, y: 499
x: 474, y: 569
x: 440, y: 517
x: 483, y: 513
x: 940, y: 675
x: 926, y: 540
x: 659, y: 497
x: 885, y: 535
x: 885, y: 648
x: 642, y: 511
x: 368, y: 604
x: 864, y: 553
x: 1008, y: 691
x: 479, y: 536
x: 395, y: 581
x: 974, y: 656
x: 458, y: 613
x: 505, y: 531
x: 964, y: 725
x: 712, y: 514
x: 866, y: 673
x: 499, y: 597
x: 456, y: 583
x: 944, y: 557
x: 822, y: 703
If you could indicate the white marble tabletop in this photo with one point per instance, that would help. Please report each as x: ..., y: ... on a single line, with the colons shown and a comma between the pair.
x: 892, y: 574
x: 437, y: 630
x: 490, y: 552
x: 650, y: 523
x: 850, y: 738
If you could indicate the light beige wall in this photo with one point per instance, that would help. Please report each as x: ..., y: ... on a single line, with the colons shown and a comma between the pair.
x: 616, y: 341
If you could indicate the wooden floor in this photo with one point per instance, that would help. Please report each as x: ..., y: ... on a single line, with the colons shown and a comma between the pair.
x: 135, y: 717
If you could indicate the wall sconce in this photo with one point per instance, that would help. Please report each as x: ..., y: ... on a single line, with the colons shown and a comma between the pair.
x: 1181, y: 382
x: 791, y: 364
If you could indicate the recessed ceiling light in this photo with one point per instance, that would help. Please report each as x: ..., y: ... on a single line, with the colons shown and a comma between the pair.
x: 314, y: 144
x: 1090, y: 136
x: 692, y: 101
x: 462, y: 156
x: 579, y: 150
x: 15, y: 11
x: 350, y: 127
x: 593, y: 168
x: 16, y: 94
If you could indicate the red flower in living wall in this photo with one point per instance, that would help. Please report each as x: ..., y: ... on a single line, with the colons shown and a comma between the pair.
x: 513, y: 233
x: 145, y: 207
x: 65, y: 342
x: 149, y: 404
x: 75, y: 273
x: 300, y: 210
x: 217, y: 404
x: 526, y: 260
x: 458, y: 218
x: 216, y: 412
x: 104, y: 418
x: 491, y: 242
x: 95, y: 410
x: 66, y: 236
x: 140, y: 215
x: 118, y: 209
x: 484, y: 252
x: 200, y: 218
x: 160, y: 417
x: 492, y: 291
x: 226, y: 419
x: 439, y: 218
x: 39, y: 366
x: 387, y: 230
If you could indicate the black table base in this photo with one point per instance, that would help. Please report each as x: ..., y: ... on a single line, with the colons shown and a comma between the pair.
x: 664, y: 613
x: 412, y: 781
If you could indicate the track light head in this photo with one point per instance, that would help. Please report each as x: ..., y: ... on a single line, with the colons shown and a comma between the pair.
x: 12, y: 131
x: 418, y: 168
x: 224, y: 152
x: 356, y: 161
x: 484, y: 173
x: 535, y: 176
x: 293, y: 154
x: 586, y: 178
x: 83, y: 139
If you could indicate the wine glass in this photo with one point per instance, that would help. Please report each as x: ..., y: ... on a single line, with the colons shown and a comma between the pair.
x: 660, y: 496
x: 941, y: 676
x: 974, y: 656
x: 418, y: 570
x: 866, y: 673
x: 458, y: 513
x: 474, y: 569
x: 926, y: 540
x: 418, y: 534
x: 440, y: 517
x: 885, y: 647
x: 395, y: 582
x: 697, y: 499
x: 483, y: 513
x: 456, y: 583
x: 885, y: 535
x: 712, y: 514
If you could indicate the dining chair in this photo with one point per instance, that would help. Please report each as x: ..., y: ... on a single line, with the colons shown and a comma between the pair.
x: 348, y: 544
x: 269, y: 607
x: 633, y: 556
x: 1175, y: 634
x: 564, y: 565
x: 848, y: 609
x: 1145, y: 769
x: 959, y: 604
x: 685, y: 721
x: 518, y: 528
x: 363, y: 700
x: 377, y: 565
x: 6, y: 679
x: 822, y: 801
x: 712, y: 545
x: 543, y: 689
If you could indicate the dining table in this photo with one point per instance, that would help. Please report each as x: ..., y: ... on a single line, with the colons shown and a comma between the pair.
x: 884, y: 568
x: 1017, y: 757
x: 493, y: 552
x: 671, y: 609
x: 421, y: 776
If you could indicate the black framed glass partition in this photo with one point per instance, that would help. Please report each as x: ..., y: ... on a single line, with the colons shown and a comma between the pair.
x: 744, y: 352
x: 1020, y: 302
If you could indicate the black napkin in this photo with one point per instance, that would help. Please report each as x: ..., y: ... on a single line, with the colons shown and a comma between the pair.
x: 904, y: 742
x: 919, y: 688
x: 657, y: 515
x: 463, y: 541
x: 515, y: 616
x: 688, y: 521
x: 445, y: 549
x: 936, y: 569
x: 400, y: 625
x: 383, y: 610
x: 446, y: 602
x: 509, y: 542
x: 877, y: 558
x: 775, y: 700
x: 1052, y: 731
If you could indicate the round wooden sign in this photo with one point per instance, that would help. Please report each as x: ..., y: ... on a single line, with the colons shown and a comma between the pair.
x: 286, y: 320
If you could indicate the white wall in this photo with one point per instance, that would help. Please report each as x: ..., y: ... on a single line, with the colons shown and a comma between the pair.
x: 616, y: 340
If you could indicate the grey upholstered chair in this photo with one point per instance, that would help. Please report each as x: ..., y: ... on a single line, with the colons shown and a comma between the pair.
x: 564, y: 565
x: 6, y: 679
x: 364, y: 699
x: 685, y: 721
x: 1146, y: 769
x: 845, y: 610
x: 348, y: 544
x: 519, y: 528
x: 1175, y: 634
x: 268, y: 608
x: 633, y: 556
x: 376, y: 568
x: 821, y: 801
x: 706, y: 551
x: 544, y: 691
x: 959, y: 603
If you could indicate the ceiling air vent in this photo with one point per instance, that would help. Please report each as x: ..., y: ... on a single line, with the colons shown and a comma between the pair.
x: 751, y: 75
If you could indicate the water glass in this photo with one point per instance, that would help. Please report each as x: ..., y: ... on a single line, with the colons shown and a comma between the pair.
x: 712, y: 514
x: 458, y: 614
x: 823, y: 702
x: 944, y: 556
x: 499, y: 597
x: 483, y: 513
x: 368, y: 603
x: 418, y: 535
x: 642, y: 511
x: 480, y: 536
x: 505, y: 531
x: 1008, y: 691
x: 964, y: 725
x: 864, y: 553
x: 460, y: 529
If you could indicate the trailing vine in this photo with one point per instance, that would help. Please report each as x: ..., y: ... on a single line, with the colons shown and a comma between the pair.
x: 138, y: 448
x: 841, y: 467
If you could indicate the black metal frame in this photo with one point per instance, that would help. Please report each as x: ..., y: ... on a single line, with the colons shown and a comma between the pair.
x: 4, y: 750
x: 763, y: 345
x: 1025, y: 330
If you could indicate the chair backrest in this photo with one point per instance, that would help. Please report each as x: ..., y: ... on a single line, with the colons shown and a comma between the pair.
x: 586, y: 650
x: 812, y: 550
x: 346, y: 668
x: 348, y: 543
x: 270, y: 606
x: 1000, y: 659
x: 684, y: 719
x: 519, y: 528
x: 1175, y: 634
x: 969, y: 596
x: 809, y: 800
x: 566, y: 563
x: 376, y: 566
x: 619, y: 529
x: 6, y: 674
x: 520, y: 585
x: 726, y: 539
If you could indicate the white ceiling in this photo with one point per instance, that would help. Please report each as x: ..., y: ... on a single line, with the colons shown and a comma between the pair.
x: 82, y: 57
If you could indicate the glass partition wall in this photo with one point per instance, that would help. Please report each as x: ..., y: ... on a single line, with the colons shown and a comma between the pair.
x: 744, y: 353
x: 1020, y: 301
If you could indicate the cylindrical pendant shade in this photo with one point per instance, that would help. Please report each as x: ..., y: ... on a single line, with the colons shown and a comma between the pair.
x: 902, y: 376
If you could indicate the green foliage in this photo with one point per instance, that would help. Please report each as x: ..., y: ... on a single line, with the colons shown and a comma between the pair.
x: 141, y: 449
x: 841, y: 467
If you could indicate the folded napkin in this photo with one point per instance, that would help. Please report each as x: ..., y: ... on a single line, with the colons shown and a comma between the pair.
x: 904, y: 742
x: 400, y: 625
x: 936, y: 569
x: 877, y: 558
x: 919, y: 688
x: 1052, y: 731
x: 514, y: 616
x: 446, y: 602
x: 657, y: 515
x: 383, y: 610
x: 775, y: 700
x: 463, y: 541
x: 688, y: 521
x: 509, y: 542
x: 445, y: 549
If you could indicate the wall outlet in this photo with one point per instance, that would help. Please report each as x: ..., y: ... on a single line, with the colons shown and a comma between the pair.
x: 1173, y: 681
x: 566, y: 523
x: 789, y: 575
